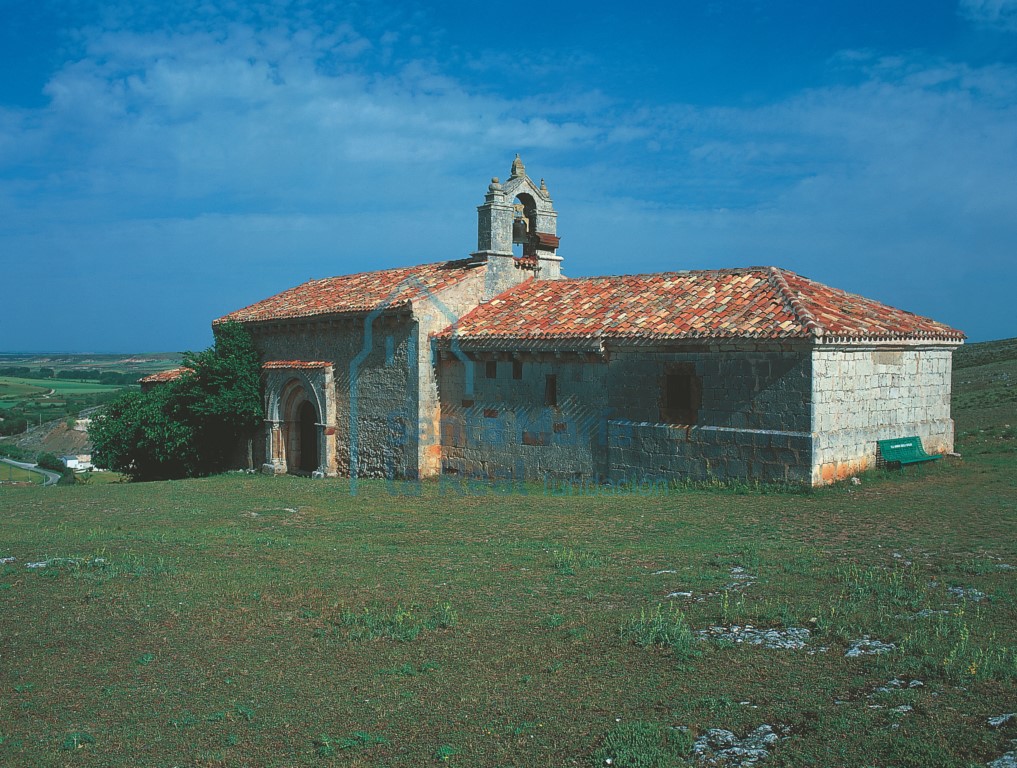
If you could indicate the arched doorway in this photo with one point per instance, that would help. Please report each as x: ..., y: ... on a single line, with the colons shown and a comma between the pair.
x: 307, y: 426
x: 301, y: 429
x: 300, y: 405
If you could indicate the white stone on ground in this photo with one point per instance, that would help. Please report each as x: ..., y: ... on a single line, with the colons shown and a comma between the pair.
x: 792, y: 638
x: 967, y: 593
x: 866, y: 646
x: 719, y: 747
x: 1008, y: 760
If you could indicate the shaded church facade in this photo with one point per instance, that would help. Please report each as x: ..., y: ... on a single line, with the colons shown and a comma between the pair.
x: 497, y: 366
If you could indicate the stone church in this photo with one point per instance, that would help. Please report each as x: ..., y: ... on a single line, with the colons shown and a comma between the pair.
x: 498, y: 366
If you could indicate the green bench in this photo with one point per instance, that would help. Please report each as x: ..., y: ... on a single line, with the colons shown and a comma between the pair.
x: 903, y: 450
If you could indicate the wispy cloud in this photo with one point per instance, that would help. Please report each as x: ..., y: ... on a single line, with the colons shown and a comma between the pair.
x: 998, y: 14
x: 306, y: 147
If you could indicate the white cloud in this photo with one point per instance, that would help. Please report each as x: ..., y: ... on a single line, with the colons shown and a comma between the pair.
x: 998, y: 14
x: 218, y: 150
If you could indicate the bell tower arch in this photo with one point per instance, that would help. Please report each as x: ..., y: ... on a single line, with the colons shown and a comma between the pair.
x: 518, y: 212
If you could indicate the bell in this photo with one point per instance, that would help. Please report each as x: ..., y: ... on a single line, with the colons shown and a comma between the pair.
x: 520, y: 230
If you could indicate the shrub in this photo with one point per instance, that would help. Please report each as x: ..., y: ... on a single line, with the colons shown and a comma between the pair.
x: 51, y: 462
x: 189, y: 426
x: 668, y: 630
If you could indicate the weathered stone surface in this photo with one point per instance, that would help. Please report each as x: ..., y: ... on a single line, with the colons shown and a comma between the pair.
x: 864, y: 395
x: 1008, y: 760
x: 793, y: 638
x: 967, y: 593
x: 867, y: 647
x: 720, y: 747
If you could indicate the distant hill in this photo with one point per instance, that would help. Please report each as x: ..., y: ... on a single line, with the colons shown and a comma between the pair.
x: 985, y: 392
x: 984, y: 352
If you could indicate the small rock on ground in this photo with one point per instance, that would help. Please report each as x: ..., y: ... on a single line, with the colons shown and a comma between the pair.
x: 792, y: 638
x: 1008, y: 760
x: 719, y: 747
x: 866, y: 646
x: 967, y: 593
x: 897, y: 684
x: 999, y: 720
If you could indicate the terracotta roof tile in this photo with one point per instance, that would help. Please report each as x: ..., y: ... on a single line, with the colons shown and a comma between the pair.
x: 163, y: 376
x: 302, y: 364
x: 755, y: 302
x: 348, y: 294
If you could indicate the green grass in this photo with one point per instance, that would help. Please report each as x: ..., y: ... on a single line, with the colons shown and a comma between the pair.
x: 249, y: 620
x: 60, y: 387
x: 9, y: 474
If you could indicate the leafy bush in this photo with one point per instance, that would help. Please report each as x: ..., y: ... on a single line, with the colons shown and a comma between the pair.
x: 51, y: 462
x: 189, y: 426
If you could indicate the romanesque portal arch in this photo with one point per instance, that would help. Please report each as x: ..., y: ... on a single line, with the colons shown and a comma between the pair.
x: 301, y: 417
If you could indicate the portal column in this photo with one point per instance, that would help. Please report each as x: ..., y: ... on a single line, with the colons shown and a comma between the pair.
x: 275, y: 453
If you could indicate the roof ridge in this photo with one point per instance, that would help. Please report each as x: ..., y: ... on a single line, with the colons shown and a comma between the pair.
x: 806, y: 318
x: 669, y: 273
x: 448, y: 263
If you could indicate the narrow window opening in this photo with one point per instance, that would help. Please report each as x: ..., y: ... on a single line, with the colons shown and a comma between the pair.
x: 517, y: 369
x: 492, y: 369
x: 551, y: 390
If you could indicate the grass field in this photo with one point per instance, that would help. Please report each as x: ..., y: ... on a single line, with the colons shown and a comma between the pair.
x: 248, y: 620
x: 38, y: 400
x: 11, y: 474
x: 31, y: 401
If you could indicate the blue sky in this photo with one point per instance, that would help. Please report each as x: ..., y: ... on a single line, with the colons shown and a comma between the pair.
x: 160, y: 168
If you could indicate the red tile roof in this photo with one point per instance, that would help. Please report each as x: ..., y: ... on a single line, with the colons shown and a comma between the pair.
x: 163, y: 376
x: 755, y: 303
x: 363, y: 292
x: 303, y: 364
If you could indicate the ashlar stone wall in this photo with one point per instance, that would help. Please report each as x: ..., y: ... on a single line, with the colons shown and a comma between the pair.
x: 374, y: 420
x: 861, y: 395
x: 501, y: 427
x: 386, y: 402
x: 609, y: 418
x: 752, y: 421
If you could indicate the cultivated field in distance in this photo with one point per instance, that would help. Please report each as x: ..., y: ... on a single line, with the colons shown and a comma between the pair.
x: 36, y: 388
x: 277, y: 621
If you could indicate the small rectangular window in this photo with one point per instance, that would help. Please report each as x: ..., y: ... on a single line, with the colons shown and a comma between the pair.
x: 492, y: 369
x: 551, y: 390
x: 680, y: 395
x: 517, y: 369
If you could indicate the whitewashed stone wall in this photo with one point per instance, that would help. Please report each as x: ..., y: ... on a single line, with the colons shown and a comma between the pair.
x: 861, y: 395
